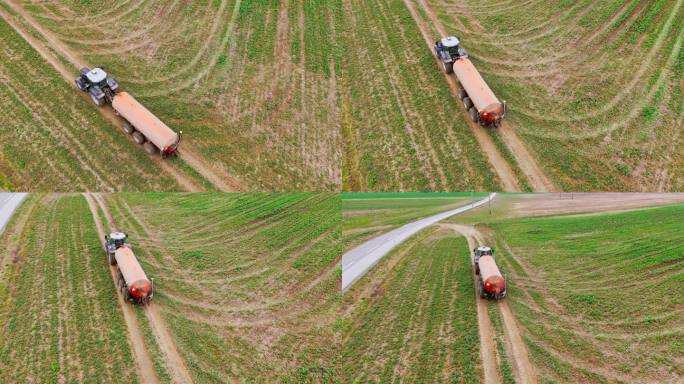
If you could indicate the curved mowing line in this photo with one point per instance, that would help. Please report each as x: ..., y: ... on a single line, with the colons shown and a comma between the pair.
x: 358, y: 261
x: 627, y: 89
x: 192, y: 63
x: 120, y: 40
x: 540, y: 33
x: 574, y: 63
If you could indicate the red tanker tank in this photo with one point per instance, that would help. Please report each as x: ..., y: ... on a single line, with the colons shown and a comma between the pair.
x: 482, y: 105
x: 491, y: 283
x: 132, y: 281
x: 136, y: 282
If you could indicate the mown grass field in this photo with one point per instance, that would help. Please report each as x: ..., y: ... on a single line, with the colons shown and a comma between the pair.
x: 369, y: 214
x: 598, y: 297
x: 248, y: 284
x: 594, y: 88
x: 59, y: 319
x: 51, y: 139
x: 413, y: 317
x: 254, y: 93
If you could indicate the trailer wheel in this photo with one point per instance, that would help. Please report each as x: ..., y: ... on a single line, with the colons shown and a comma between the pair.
x: 111, y: 259
x: 98, y: 102
x: 128, y: 127
x: 448, y: 67
x: 138, y: 137
x: 462, y: 94
x: 477, y: 269
x: 467, y: 102
x: 150, y: 148
x: 473, y: 114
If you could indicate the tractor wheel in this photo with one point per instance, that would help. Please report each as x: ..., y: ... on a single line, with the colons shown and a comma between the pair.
x: 482, y: 292
x: 473, y: 114
x: 448, y: 67
x: 128, y: 127
x: 80, y: 84
x: 467, y: 102
x: 98, y: 102
x: 150, y: 148
x: 462, y: 94
x: 138, y: 137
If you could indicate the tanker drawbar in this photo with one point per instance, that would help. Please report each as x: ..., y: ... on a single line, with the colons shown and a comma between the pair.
x: 145, y: 128
x: 131, y: 280
x: 490, y: 282
x: 483, y: 107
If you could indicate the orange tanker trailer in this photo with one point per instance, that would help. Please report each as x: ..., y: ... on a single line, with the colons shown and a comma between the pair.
x: 145, y: 127
x: 131, y: 279
x: 491, y: 283
x: 482, y: 105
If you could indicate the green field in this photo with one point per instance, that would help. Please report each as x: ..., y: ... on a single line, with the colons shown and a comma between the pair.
x: 594, y: 88
x: 59, y: 319
x: 402, y: 130
x: 253, y: 92
x: 51, y: 139
x: 413, y: 317
x: 246, y: 283
x: 598, y: 297
x: 247, y: 286
x: 282, y: 95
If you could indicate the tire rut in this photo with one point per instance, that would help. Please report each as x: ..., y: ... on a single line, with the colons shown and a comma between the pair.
x: 174, y: 362
x: 501, y: 167
x: 527, y: 163
x: 485, y: 327
x: 521, y: 365
x: 223, y: 182
x: 143, y: 359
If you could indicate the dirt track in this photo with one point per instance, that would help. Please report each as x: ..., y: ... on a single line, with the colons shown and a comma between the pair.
x: 527, y: 163
x: 501, y: 167
x: 142, y: 357
x: 580, y: 203
x: 174, y: 362
x: 223, y: 182
x: 520, y: 362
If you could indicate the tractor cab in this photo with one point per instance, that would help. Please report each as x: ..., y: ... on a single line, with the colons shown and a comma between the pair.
x: 482, y: 251
x: 479, y: 252
x: 116, y: 240
x: 451, y: 47
x: 448, y: 50
x: 96, y: 82
x: 97, y: 77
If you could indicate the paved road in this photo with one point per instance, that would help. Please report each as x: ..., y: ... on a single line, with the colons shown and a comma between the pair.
x: 9, y: 202
x: 359, y: 260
